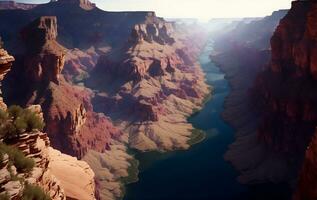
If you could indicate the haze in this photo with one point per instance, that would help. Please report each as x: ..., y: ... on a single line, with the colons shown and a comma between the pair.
x: 202, y: 9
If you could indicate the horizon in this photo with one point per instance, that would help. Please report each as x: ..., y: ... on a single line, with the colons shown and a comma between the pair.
x: 200, y: 9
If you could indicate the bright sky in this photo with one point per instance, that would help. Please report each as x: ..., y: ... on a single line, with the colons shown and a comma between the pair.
x: 202, y: 9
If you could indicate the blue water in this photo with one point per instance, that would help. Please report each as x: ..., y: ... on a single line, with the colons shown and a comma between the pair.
x: 199, y: 173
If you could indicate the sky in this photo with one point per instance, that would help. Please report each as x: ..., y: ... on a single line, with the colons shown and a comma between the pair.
x: 201, y: 9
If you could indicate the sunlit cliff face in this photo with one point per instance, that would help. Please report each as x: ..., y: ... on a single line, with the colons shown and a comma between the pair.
x: 202, y: 9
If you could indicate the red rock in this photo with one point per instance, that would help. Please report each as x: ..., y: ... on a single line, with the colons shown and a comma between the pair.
x: 71, y: 123
x: 5, y: 66
x: 285, y: 91
x: 45, y: 57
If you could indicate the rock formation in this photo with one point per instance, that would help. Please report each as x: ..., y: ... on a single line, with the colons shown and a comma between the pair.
x: 49, y: 170
x: 34, y: 146
x: 5, y: 66
x: 71, y: 124
x: 101, y: 28
x: 151, y: 86
x: 285, y: 90
x: 45, y: 57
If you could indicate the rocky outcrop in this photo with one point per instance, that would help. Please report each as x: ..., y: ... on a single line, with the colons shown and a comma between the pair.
x: 45, y: 57
x: 160, y: 33
x: 5, y: 66
x: 84, y: 4
x: 36, y: 146
x: 61, y: 176
x: 69, y: 115
x: 75, y: 176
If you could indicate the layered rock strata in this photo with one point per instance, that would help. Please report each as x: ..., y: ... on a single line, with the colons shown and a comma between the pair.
x: 5, y: 66
x: 151, y: 88
x: 71, y: 123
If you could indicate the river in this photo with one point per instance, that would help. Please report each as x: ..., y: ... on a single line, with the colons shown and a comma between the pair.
x: 199, y: 173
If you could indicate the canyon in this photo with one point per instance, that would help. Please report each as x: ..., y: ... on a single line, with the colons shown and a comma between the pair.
x: 116, y: 87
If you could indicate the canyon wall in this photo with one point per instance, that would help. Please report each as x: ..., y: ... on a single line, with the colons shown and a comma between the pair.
x: 274, y: 137
x: 5, y: 66
x: 71, y: 123
x: 285, y: 94
x: 67, y: 109
x: 46, y: 172
x: 242, y: 52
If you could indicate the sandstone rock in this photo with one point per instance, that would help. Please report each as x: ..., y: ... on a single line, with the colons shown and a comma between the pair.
x: 85, y: 4
x: 76, y: 177
x: 4, y: 175
x: 5, y: 65
x: 45, y: 59
x: 13, y: 188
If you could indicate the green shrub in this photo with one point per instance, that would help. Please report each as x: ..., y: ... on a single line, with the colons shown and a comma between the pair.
x: 33, y: 192
x: 17, y: 120
x: 17, y: 158
x: 33, y: 121
x: 15, y: 111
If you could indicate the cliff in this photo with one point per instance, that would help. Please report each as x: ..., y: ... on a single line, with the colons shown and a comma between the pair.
x: 293, y: 68
x: 71, y: 123
x: 47, y: 170
x: 101, y: 28
x: 5, y: 66
x: 284, y: 92
x: 45, y: 57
